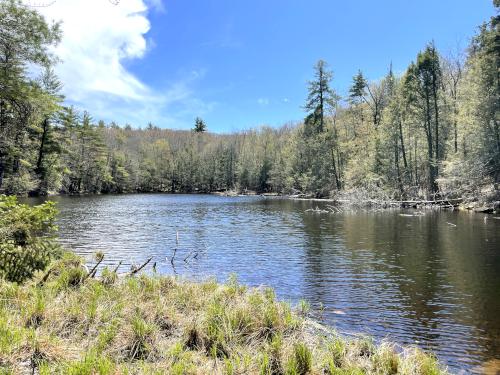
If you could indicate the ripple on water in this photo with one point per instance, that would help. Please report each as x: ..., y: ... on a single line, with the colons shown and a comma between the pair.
x: 409, y: 279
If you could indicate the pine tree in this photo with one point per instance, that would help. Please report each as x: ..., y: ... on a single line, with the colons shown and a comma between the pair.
x: 199, y: 125
x: 321, y: 97
x: 423, y: 87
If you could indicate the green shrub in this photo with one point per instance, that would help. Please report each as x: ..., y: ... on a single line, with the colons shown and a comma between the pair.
x: 27, y: 242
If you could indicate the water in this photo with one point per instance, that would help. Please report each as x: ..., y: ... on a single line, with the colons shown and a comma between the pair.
x: 433, y: 280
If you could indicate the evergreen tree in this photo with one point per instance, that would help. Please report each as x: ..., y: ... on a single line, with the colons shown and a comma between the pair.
x: 423, y: 81
x: 199, y: 125
x: 25, y: 40
x: 321, y: 97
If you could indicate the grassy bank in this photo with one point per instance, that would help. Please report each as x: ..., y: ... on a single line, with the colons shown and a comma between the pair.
x: 63, y: 322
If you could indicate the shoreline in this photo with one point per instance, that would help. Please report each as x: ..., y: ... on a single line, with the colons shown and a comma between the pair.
x: 475, y: 204
x: 66, y: 320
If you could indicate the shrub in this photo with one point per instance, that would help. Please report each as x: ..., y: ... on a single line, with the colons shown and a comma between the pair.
x: 27, y: 242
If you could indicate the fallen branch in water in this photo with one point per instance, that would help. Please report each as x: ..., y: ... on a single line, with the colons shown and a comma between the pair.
x: 94, y: 269
x: 189, y: 255
x: 173, y: 256
x: 334, y: 208
x: 134, y: 271
x: 118, y: 266
x: 440, y: 201
x: 175, y: 248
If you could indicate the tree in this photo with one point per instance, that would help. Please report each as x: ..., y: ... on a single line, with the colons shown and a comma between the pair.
x: 375, y: 97
x: 49, y: 142
x: 423, y: 85
x: 199, y: 125
x: 321, y: 97
x: 477, y: 162
x: 452, y: 76
x: 312, y: 169
x: 25, y: 41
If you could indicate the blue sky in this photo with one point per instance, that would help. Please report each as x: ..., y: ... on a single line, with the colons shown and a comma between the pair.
x: 240, y: 64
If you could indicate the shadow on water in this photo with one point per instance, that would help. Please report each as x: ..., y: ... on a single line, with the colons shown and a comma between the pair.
x: 433, y: 279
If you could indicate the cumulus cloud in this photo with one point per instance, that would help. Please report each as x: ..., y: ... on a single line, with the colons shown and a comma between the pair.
x: 98, y: 38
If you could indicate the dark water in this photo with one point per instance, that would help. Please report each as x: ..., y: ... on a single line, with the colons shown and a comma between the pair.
x: 433, y: 280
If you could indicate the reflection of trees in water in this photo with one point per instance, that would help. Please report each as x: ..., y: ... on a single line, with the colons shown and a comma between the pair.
x: 322, y: 262
x: 200, y: 212
x: 414, y: 258
x: 442, y: 278
x: 471, y: 254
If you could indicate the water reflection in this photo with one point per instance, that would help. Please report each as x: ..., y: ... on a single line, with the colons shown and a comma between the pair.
x: 432, y: 279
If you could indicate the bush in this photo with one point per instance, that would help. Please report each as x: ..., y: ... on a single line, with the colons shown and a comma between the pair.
x: 27, y: 242
x: 20, y: 184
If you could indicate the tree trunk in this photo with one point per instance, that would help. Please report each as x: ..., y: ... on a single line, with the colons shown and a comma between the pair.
x: 398, y: 171
x: 436, y: 114
x: 45, y: 128
x: 337, y: 182
x: 2, y: 167
x: 430, y: 151
x: 497, y: 134
x: 417, y: 181
x: 321, y: 109
x: 401, y: 139
x: 455, y: 134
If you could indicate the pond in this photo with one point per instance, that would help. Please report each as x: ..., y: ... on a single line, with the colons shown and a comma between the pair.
x: 431, y: 279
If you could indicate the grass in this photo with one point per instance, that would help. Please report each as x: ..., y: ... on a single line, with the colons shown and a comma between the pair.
x: 69, y: 324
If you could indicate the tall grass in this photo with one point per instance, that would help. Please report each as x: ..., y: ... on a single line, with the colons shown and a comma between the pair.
x: 70, y: 324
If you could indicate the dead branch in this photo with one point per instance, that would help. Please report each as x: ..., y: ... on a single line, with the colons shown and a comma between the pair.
x: 94, y: 269
x: 45, y: 277
x: 134, y: 271
x: 118, y: 266
x: 173, y: 256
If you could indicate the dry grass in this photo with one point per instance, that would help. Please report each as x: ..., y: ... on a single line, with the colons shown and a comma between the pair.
x: 163, y: 325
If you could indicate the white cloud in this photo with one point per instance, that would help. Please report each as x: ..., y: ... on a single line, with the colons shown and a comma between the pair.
x: 97, y: 38
x: 263, y: 101
x: 286, y: 100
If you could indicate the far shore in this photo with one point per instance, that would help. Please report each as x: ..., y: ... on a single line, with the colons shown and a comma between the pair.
x: 475, y: 204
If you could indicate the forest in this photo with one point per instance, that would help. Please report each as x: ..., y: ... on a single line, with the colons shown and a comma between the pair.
x: 431, y: 131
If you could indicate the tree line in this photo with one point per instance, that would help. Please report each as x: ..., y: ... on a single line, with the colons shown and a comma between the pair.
x: 432, y: 130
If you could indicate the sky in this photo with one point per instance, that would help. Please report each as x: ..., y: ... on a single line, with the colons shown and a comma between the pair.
x: 238, y: 64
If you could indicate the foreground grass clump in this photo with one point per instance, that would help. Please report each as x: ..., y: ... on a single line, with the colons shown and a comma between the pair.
x: 62, y: 322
